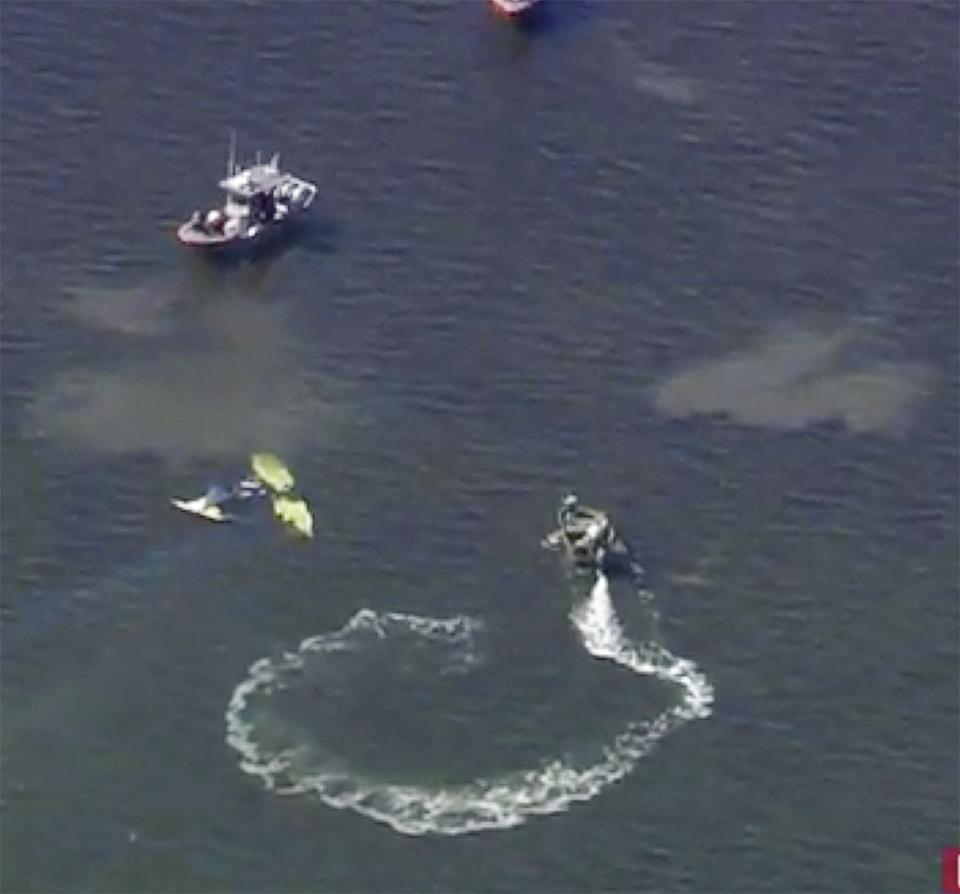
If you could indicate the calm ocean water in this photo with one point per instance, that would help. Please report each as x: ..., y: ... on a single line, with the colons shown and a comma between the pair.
x: 696, y: 261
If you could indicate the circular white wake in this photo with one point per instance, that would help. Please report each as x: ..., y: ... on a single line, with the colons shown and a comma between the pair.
x: 496, y: 802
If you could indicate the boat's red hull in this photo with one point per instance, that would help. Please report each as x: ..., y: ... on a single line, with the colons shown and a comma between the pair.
x: 515, y: 10
x: 216, y: 245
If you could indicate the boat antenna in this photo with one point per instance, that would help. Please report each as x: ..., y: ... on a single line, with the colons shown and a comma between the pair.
x: 232, y: 160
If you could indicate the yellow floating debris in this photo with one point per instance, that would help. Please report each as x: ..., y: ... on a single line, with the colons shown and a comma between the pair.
x: 295, y: 513
x: 271, y: 471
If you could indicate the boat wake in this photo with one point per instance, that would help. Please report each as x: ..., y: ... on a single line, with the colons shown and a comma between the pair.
x: 289, y: 764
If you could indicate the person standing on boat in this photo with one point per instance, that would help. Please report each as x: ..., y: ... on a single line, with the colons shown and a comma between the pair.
x: 568, y: 511
x: 586, y: 529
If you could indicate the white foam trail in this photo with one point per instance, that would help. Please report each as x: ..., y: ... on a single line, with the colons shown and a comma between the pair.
x: 603, y: 637
x: 500, y: 802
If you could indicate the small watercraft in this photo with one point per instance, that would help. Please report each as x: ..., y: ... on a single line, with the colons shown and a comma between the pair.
x: 261, y: 202
x: 518, y: 10
x: 588, y: 539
